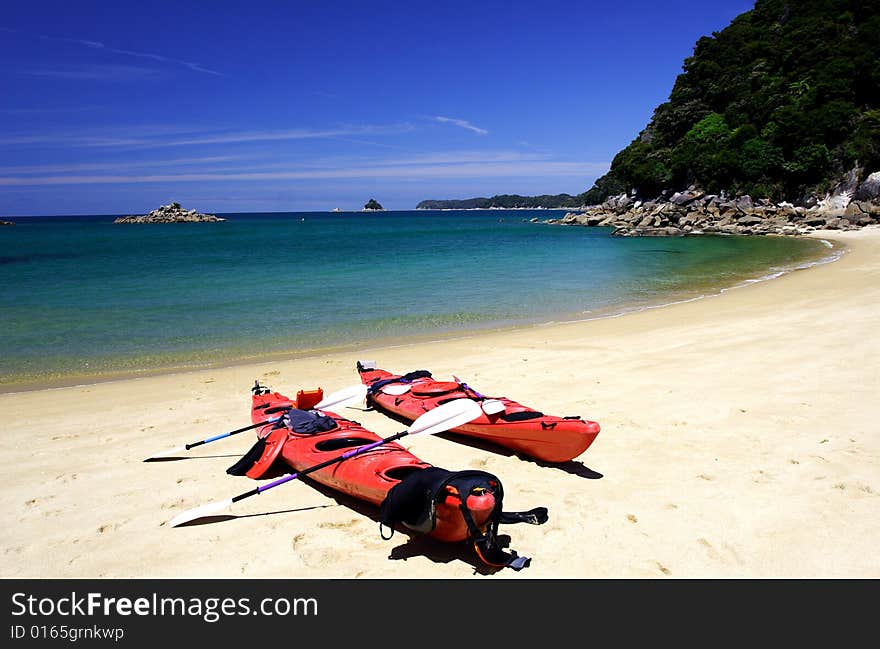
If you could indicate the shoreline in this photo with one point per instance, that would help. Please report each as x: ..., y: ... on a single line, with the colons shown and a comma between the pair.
x: 68, y: 380
x: 739, y: 440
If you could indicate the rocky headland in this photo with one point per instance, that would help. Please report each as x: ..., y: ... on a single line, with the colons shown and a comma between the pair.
x: 851, y: 205
x: 172, y: 213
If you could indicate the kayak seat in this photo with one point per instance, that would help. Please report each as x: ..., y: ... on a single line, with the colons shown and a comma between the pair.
x: 435, y: 388
x: 523, y: 415
x: 340, y: 443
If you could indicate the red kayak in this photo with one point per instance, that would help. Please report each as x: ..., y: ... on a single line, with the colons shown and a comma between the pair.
x: 504, y: 422
x: 370, y: 476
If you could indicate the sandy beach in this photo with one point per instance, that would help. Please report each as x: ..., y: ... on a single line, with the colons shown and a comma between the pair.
x: 740, y: 439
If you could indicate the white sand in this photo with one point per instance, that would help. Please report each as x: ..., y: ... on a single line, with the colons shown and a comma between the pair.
x: 740, y: 438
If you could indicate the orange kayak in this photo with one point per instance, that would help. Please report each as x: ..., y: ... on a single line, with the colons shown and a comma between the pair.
x: 504, y: 422
x: 368, y: 476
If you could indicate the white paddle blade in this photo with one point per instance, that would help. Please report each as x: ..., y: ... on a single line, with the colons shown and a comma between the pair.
x: 493, y: 406
x: 343, y: 397
x: 396, y: 389
x: 170, y: 451
x: 200, y: 512
x: 449, y: 415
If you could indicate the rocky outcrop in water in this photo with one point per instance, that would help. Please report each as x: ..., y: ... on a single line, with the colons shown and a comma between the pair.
x: 7, y: 222
x: 172, y: 213
x: 848, y: 206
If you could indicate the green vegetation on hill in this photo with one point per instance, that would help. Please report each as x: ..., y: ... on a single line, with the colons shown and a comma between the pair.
x: 506, y: 201
x: 779, y: 104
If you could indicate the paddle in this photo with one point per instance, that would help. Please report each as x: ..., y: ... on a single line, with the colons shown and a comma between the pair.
x: 449, y: 415
x: 334, y: 400
x: 490, y: 406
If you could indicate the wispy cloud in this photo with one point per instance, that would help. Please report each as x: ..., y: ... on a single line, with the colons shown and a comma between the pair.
x: 48, y: 110
x: 203, y: 138
x: 94, y: 72
x: 464, y: 169
x: 98, y: 45
x: 114, y: 166
x: 462, y: 123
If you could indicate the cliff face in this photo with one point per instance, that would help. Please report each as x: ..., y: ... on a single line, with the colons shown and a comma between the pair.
x: 781, y: 104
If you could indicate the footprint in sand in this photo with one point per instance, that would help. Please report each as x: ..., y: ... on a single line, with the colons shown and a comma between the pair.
x: 671, y: 506
x: 857, y: 489
x: 109, y: 527
x: 703, y: 476
x: 326, y: 549
x: 334, y: 525
x: 762, y: 477
x: 663, y: 569
x: 724, y: 555
x: 632, y: 518
x: 713, y: 554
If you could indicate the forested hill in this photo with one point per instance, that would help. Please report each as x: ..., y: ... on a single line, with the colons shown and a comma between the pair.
x: 506, y: 201
x: 779, y: 104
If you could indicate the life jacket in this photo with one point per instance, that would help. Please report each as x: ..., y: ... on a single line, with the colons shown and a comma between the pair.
x: 413, y: 502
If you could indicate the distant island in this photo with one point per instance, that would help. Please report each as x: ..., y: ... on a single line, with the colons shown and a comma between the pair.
x: 172, y: 213
x: 373, y: 206
x: 503, y: 201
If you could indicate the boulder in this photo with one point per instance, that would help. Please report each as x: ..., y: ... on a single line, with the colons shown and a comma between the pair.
x: 684, y: 198
x: 744, y: 203
x: 750, y: 219
x: 869, y: 190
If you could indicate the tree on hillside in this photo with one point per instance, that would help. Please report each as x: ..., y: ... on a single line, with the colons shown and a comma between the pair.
x: 781, y: 103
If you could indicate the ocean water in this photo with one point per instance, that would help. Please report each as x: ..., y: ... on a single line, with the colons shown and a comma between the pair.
x: 83, y: 298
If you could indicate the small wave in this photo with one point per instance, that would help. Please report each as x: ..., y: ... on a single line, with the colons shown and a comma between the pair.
x: 775, y: 274
x: 779, y: 272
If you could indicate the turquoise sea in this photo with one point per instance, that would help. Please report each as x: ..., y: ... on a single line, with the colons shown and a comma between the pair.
x: 82, y: 298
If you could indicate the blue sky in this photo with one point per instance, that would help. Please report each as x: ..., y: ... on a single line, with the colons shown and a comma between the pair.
x: 117, y: 107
